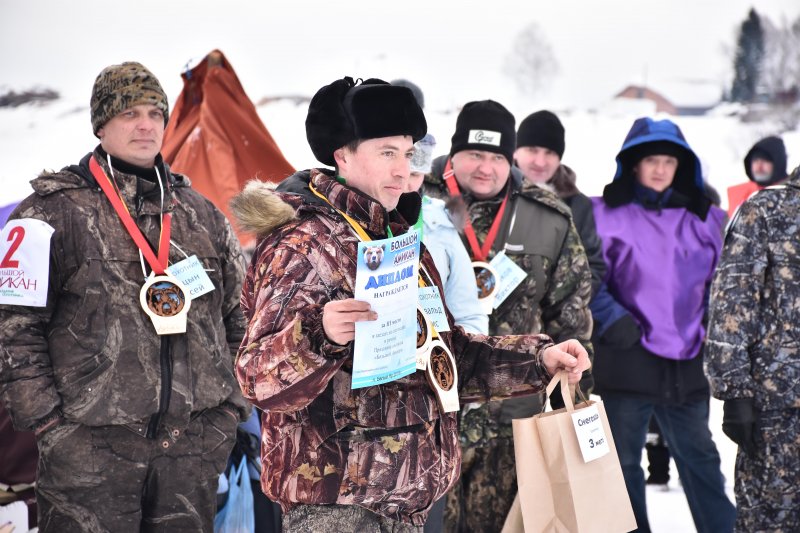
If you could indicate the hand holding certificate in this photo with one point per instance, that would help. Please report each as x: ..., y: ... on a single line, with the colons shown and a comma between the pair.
x: 339, y: 319
x: 387, y: 280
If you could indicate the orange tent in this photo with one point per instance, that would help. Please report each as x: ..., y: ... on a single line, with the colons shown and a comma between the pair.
x: 216, y: 137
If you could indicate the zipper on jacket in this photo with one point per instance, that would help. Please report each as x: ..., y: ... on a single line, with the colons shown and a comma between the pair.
x: 166, y: 387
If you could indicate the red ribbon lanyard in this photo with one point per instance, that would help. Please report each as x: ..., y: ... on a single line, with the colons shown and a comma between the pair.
x: 479, y: 253
x: 159, y: 264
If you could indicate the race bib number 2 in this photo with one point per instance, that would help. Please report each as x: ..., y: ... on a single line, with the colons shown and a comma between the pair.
x: 25, y: 262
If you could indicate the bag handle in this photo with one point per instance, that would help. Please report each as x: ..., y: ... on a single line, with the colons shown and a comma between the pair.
x: 567, y: 391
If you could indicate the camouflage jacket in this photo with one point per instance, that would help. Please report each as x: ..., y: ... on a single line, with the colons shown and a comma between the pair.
x: 752, y: 344
x: 552, y: 299
x: 92, y: 353
x: 386, y: 448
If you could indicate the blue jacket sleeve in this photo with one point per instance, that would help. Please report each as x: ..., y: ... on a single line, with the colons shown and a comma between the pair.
x: 605, y: 310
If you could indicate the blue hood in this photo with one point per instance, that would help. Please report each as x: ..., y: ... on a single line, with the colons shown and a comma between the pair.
x: 645, y: 132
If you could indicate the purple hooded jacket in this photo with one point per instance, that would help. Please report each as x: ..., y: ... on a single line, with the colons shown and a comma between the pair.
x: 660, y: 260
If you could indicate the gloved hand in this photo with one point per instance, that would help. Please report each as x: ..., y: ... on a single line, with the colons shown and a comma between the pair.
x: 739, y: 423
x: 623, y: 333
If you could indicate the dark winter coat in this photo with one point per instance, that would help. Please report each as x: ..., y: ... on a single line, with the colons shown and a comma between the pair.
x: 387, y: 448
x: 92, y: 353
x: 752, y: 347
x: 563, y: 183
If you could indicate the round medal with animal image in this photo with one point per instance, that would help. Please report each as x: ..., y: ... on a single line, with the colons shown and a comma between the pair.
x: 166, y: 301
x: 165, y: 298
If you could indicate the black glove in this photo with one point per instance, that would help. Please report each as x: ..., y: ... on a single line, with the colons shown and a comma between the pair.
x: 623, y: 333
x: 739, y: 423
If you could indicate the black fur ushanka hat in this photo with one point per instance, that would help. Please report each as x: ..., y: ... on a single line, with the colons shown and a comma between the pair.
x: 345, y: 111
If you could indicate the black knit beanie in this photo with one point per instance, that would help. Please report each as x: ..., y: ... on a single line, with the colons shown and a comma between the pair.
x: 542, y: 129
x: 485, y: 125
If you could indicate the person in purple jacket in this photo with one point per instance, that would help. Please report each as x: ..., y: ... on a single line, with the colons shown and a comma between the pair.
x: 661, y: 242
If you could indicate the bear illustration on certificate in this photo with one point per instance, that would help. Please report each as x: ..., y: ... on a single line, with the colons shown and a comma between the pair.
x: 385, y: 349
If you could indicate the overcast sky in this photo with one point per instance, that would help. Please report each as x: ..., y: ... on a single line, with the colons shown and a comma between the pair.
x: 453, y: 49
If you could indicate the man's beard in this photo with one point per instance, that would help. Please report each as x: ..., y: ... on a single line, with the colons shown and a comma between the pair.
x: 762, y: 179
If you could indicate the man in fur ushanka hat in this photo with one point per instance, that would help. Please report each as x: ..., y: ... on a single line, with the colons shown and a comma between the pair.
x: 372, y: 458
x: 134, y: 422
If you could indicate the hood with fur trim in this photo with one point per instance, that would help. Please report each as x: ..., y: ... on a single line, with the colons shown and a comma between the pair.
x: 259, y: 208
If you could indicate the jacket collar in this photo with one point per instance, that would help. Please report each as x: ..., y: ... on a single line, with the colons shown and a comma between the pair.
x: 79, y: 176
x: 140, y: 194
x: 364, y: 209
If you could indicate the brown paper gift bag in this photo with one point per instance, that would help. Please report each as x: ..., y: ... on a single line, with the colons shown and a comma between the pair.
x: 559, y: 491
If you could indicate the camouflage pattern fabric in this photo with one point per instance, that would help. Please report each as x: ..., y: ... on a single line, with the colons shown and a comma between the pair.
x: 752, y: 347
x: 385, y: 448
x: 752, y: 351
x: 342, y: 519
x: 120, y: 482
x: 553, y: 299
x: 120, y: 87
x: 482, y: 498
x: 767, y: 486
x: 92, y: 353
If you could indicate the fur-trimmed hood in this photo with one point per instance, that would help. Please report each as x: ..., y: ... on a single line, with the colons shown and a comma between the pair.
x: 260, y: 209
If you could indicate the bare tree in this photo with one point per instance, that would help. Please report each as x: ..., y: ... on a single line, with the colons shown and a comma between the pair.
x: 531, y: 63
x: 781, y: 67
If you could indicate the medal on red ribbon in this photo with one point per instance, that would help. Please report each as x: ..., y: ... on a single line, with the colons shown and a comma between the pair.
x: 163, y: 297
x: 485, y: 274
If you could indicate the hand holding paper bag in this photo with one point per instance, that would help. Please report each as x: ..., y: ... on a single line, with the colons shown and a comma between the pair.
x: 560, y: 491
x: 569, y: 356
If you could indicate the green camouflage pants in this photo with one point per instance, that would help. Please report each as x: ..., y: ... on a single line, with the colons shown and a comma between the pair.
x: 341, y: 519
x: 108, y: 479
x: 482, y: 497
x: 767, y: 485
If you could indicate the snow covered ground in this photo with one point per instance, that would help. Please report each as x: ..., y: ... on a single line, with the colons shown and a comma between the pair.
x: 51, y: 136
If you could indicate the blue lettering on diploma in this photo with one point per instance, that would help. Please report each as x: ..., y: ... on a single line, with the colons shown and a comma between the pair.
x: 388, y: 279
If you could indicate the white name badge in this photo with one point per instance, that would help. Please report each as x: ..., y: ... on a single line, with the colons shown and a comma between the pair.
x: 510, y: 276
x: 193, y: 276
x: 25, y: 262
x: 431, y: 302
x: 591, y: 436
